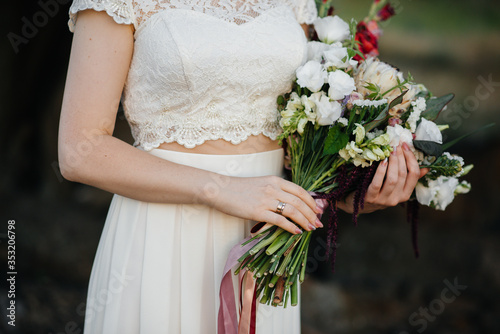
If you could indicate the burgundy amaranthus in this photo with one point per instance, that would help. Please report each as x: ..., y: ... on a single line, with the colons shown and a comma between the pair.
x: 357, y: 180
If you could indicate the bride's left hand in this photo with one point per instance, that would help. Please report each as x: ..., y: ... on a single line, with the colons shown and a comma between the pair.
x: 393, y: 182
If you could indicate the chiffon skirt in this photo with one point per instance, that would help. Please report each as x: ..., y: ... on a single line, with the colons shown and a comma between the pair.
x: 158, y: 267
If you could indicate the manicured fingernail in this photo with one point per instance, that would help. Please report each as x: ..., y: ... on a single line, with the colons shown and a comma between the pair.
x: 318, y: 223
x: 298, y: 231
x: 406, y: 147
x: 312, y: 227
x: 384, y: 162
x: 319, y: 210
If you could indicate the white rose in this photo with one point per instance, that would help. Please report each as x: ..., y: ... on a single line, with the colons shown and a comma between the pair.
x: 341, y: 84
x: 336, y: 56
x: 327, y: 112
x: 428, y: 130
x: 398, y: 135
x: 331, y: 29
x: 312, y: 76
x: 315, y: 50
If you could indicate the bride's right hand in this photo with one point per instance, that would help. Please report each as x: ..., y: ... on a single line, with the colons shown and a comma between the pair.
x: 257, y: 198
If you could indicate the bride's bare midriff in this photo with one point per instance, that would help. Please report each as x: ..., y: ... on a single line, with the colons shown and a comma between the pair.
x: 254, y: 144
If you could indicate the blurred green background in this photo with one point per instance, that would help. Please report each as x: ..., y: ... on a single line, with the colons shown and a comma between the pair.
x: 378, y: 286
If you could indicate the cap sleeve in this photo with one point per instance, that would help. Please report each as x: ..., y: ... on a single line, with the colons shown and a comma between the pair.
x: 305, y: 10
x: 120, y: 10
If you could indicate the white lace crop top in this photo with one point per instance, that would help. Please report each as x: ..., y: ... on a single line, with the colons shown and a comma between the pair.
x: 207, y: 69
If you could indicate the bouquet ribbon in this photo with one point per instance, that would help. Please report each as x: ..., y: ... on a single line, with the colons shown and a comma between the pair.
x: 228, y: 312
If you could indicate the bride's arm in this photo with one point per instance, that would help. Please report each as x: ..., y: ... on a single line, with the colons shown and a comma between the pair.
x: 99, y: 62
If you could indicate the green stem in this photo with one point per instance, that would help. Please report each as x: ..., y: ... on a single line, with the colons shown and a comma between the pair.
x: 268, y: 240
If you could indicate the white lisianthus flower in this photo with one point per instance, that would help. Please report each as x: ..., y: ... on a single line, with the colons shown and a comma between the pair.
x: 341, y: 84
x: 382, y: 140
x: 428, y: 130
x: 359, y: 132
x: 301, y: 125
x: 315, y: 50
x: 353, y: 149
x: 311, y: 76
x: 398, y: 135
x: 380, y: 154
x: 445, y: 192
x: 336, y: 56
x: 439, y: 193
x: 463, y: 188
x: 327, y: 112
x: 309, y: 107
x: 342, y: 120
x: 369, y: 155
x: 418, y: 107
x: 331, y: 29
x: 425, y: 195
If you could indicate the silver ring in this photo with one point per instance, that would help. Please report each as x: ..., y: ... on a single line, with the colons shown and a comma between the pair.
x: 280, y: 207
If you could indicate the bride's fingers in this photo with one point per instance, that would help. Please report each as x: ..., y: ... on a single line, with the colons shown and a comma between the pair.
x: 297, y: 217
x: 377, y: 182
x: 281, y: 221
x: 413, y: 172
x: 298, y: 191
x: 297, y: 210
x: 391, y: 178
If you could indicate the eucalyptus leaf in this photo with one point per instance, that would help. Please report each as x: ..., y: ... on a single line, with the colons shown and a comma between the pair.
x: 335, y: 141
x: 428, y: 147
x: 435, y: 106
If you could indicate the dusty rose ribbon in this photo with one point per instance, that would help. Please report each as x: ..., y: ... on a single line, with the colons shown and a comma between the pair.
x: 228, y: 318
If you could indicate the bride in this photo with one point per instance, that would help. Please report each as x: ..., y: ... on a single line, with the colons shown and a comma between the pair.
x: 198, y: 82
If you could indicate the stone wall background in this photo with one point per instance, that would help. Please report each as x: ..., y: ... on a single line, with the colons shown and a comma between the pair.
x: 378, y: 286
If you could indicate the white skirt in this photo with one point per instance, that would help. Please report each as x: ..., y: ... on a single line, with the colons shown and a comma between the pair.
x: 158, y: 267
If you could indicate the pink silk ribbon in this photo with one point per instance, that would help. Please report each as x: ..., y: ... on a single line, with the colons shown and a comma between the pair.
x: 228, y: 318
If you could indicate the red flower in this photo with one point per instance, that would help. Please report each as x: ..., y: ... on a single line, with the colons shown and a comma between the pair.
x: 386, y: 13
x: 368, y: 41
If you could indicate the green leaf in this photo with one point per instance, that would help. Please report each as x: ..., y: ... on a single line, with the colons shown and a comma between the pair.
x: 397, y: 100
x: 435, y: 106
x: 381, y: 118
x: 335, y: 141
x: 428, y: 147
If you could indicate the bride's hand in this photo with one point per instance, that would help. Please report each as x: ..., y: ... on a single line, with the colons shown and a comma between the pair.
x: 257, y: 198
x: 393, y: 182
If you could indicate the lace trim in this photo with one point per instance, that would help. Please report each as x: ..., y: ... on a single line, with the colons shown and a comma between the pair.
x: 119, y: 10
x: 191, y: 131
x: 236, y: 11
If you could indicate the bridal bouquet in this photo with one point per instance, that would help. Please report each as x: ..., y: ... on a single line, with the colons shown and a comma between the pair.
x: 346, y: 113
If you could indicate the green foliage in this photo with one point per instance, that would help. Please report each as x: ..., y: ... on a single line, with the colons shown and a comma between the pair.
x: 335, y: 141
